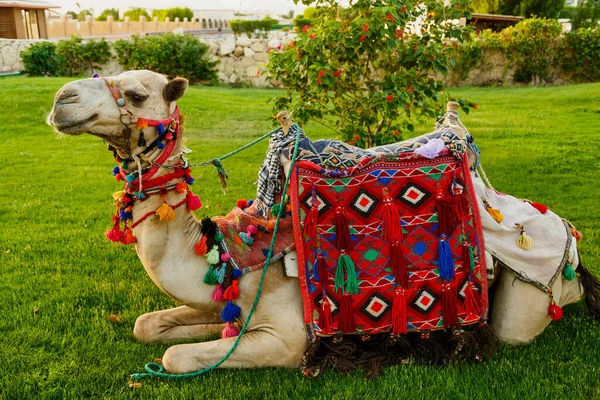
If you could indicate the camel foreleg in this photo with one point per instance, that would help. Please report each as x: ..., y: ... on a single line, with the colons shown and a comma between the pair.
x: 178, y: 323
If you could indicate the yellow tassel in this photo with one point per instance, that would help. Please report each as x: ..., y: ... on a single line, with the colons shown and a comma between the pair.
x: 524, y: 241
x: 165, y: 212
x: 494, y: 212
x: 118, y: 195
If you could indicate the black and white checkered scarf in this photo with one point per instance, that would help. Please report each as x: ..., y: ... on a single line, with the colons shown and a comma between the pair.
x: 270, y: 174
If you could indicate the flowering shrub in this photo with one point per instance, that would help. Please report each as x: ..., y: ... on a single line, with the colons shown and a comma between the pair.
x: 366, y: 70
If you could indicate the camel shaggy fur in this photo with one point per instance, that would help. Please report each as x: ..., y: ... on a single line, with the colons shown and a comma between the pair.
x: 276, y: 334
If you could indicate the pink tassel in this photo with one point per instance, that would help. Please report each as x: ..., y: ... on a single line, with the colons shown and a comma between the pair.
x: 399, y: 313
x: 217, y: 294
x: 449, y: 313
x: 229, y: 331
x: 193, y: 201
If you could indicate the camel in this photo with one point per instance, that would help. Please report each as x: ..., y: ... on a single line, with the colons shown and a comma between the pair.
x: 276, y: 334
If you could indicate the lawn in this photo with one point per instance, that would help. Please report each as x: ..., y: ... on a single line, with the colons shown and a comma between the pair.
x: 60, y: 279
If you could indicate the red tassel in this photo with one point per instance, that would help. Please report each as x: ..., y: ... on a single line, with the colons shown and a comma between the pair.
x: 201, y: 248
x: 232, y: 292
x: 325, y: 315
x: 463, y: 206
x: 399, y: 313
x: 447, y: 210
x: 229, y: 331
x: 539, y: 206
x: 181, y: 187
x: 398, y: 265
x: 555, y: 311
x: 471, y: 305
x: 342, y: 231
x: 128, y: 237
x: 346, y: 315
x: 115, y: 234
x: 193, y: 201
x: 449, y: 312
x: 310, y: 223
x: 242, y: 203
x: 392, y: 229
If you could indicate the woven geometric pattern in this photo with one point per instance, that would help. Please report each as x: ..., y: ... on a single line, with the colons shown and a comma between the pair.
x: 409, y: 183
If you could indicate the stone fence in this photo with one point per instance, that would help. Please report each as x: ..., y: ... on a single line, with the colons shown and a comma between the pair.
x: 242, y: 62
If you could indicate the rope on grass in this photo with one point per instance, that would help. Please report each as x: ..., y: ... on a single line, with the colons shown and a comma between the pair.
x: 154, y: 369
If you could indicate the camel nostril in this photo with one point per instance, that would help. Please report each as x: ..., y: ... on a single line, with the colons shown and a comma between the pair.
x: 68, y: 96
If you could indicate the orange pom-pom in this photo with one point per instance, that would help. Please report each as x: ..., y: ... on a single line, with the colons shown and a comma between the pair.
x: 165, y: 212
x: 181, y: 187
x: 242, y: 203
x: 201, y: 248
x: 232, y: 292
x: 128, y: 237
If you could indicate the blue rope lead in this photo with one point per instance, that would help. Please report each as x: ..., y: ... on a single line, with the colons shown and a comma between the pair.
x: 154, y: 369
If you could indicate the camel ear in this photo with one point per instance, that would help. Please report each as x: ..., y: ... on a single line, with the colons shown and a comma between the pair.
x: 175, y: 89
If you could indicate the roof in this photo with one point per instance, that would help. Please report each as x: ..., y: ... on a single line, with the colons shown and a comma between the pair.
x: 495, y: 18
x: 26, y: 4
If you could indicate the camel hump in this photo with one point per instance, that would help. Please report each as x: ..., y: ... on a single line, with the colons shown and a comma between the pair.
x: 284, y: 119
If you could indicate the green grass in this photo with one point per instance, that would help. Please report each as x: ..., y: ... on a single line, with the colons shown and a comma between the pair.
x: 55, y: 204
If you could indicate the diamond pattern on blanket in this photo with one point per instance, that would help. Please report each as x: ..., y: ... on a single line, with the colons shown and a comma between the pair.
x: 375, y: 307
x: 413, y: 195
x: 424, y: 301
x: 364, y: 203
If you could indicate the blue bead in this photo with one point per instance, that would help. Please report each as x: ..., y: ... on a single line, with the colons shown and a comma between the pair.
x: 121, y: 102
x: 130, y: 178
x: 250, y: 202
x: 116, y: 170
x: 236, y: 273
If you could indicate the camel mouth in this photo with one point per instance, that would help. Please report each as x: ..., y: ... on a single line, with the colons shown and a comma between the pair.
x: 72, y: 127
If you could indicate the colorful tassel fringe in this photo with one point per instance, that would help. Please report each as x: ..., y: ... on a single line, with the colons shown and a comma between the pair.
x: 193, y: 202
x: 449, y: 312
x: 445, y: 260
x: 524, y: 241
x: 217, y: 294
x: 165, y: 212
x: 494, y: 212
x: 231, y: 312
x: 471, y: 305
x: 325, y: 315
x: 398, y: 265
x: 229, y: 331
x: 447, y: 210
x: 201, y: 248
x: 399, y: 317
x: 568, y: 272
x: 212, y: 257
x: 346, y: 315
x: 346, y: 265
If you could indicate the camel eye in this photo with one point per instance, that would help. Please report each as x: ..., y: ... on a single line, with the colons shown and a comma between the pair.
x: 136, y: 98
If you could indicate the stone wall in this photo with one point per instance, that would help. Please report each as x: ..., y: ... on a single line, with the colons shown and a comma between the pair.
x: 242, y: 62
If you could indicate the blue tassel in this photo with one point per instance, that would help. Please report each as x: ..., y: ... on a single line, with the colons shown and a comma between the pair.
x: 189, y: 180
x: 236, y: 273
x: 125, y: 216
x: 231, y: 312
x: 116, y: 170
x: 160, y: 145
x: 220, y: 273
x: 315, y: 270
x: 161, y: 129
x: 250, y: 202
x: 445, y: 261
x: 247, y: 239
x: 130, y: 177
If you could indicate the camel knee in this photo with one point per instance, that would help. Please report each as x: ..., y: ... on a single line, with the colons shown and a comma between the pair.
x: 146, y: 329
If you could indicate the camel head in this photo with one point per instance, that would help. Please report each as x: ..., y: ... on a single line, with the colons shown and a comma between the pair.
x: 89, y: 106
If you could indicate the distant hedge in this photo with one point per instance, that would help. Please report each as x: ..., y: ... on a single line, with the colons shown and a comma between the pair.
x: 169, y: 54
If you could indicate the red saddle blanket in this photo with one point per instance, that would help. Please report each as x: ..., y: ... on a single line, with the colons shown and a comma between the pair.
x: 393, y: 244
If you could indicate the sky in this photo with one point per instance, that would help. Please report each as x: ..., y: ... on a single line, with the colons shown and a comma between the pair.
x: 279, y: 6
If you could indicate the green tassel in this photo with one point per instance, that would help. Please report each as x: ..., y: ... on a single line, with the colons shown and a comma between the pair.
x: 124, y: 165
x: 471, y: 259
x: 346, y: 265
x: 223, y: 175
x: 212, y: 257
x: 568, y: 272
x: 275, y: 210
x: 219, y: 237
x: 210, y: 278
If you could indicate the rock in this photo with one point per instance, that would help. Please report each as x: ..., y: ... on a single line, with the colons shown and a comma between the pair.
x: 227, y: 47
x: 6, y: 68
x: 261, y: 57
x: 243, y: 41
x: 9, y: 54
x: 233, y: 78
x: 275, y: 83
x: 227, y: 65
x: 258, y: 46
x: 248, y: 52
x: 274, y: 44
x: 239, y: 68
x: 222, y: 77
x: 17, y: 66
x: 252, y: 72
x: 248, y: 61
x: 239, y: 51
x: 213, y: 48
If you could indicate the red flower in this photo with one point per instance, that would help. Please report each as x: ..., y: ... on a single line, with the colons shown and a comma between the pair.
x: 390, y: 18
x: 475, y: 106
x: 407, y: 105
x: 351, y: 143
x: 356, y: 137
x: 409, y: 89
x: 403, y: 8
x: 299, y: 56
x: 268, y: 49
x: 398, y: 33
x: 319, y: 81
x: 455, y: 45
x: 305, y: 28
x: 365, y: 28
x: 292, y: 44
x: 389, y: 98
x: 478, y: 31
x: 363, y: 37
x: 396, y: 133
x: 312, y: 36
x: 337, y: 73
x: 279, y: 47
x: 320, y: 74
x: 431, y: 58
